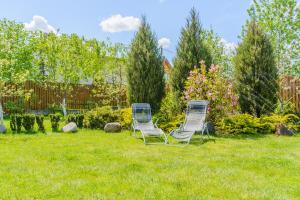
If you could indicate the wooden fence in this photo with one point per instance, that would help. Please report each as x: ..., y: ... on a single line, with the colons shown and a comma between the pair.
x: 290, y: 90
x: 43, y: 97
x: 82, y: 98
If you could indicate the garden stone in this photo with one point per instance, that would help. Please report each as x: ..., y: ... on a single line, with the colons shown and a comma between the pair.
x: 112, y: 127
x: 70, y: 127
x: 2, y: 129
x: 283, y: 130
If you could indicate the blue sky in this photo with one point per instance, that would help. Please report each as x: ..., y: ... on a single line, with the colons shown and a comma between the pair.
x: 166, y: 17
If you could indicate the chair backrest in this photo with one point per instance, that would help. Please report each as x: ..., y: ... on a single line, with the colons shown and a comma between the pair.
x: 141, y: 113
x: 195, y: 115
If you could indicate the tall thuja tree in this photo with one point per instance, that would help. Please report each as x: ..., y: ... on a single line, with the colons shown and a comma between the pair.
x: 16, y: 60
x: 281, y: 21
x: 190, y: 51
x: 145, y: 73
x: 256, y: 73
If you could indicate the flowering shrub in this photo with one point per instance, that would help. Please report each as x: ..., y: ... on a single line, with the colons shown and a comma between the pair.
x: 209, y: 85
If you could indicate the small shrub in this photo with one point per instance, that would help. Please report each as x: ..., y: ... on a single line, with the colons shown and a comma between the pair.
x: 291, y: 121
x: 168, y: 126
x: 125, y: 117
x: 13, y: 123
x: 40, y: 122
x: 98, y: 117
x: 285, y: 107
x: 71, y: 118
x: 243, y: 124
x: 54, y: 119
x: 28, y: 122
x: 19, y: 120
x: 15, y: 107
x: 79, y: 120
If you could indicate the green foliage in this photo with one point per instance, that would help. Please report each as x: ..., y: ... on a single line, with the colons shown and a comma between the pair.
x: 243, y: 124
x: 285, y: 107
x: 291, y: 121
x: 28, y: 122
x: 171, y: 124
x: 281, y: 21
x: 79, y: 120
x: 191, y: 49
x: 14, y: 107
x: 210, y: 85
x: 255, y: 73
x: 145, y: 73
x: 169, y: 108
x: 13, y: 123
x: 55, y: 119
x: 40, y: 122
x: 98, y: 117
x: 247, y: 124
x: 71, y: 118
x: 125, y: 117
x: 19, y: 122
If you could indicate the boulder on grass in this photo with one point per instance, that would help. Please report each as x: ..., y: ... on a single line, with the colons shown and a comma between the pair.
x: 114, y: 127
x: 283, y: 130
x: 70, y: 127
x: 2, y: 129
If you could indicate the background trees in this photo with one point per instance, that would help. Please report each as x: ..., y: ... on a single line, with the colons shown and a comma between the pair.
x: 190, y: 51
x: 281, y: 21
x: 145, y: 73
x: 256, y: 73
x: 16, y: 60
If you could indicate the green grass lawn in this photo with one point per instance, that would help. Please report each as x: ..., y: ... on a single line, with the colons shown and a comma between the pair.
x: 95, y: 165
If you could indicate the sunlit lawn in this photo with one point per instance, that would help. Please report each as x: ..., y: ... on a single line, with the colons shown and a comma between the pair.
x: 95, y: 165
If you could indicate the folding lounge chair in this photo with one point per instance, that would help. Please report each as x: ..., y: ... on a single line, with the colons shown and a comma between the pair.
x: 194, y: 121
x: 142, y: 121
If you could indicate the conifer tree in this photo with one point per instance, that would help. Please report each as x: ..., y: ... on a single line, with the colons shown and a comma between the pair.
x: 256, y: 72
x: 145, y: 73
x: 190, y: 51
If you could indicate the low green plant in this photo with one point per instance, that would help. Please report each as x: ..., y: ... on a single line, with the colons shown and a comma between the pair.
x: 13, y: 123
x: 79, y: 120
x: 71, y: 118
x: 40, y: 122
x: 28, y: 122
x: 242, y: 124
x: 15, y: 107
x: 98, y: 117
x: 19, y: 121
x: 125, y: 117
x: 54, y: 119
x: 291, y: 121
x: 175, y: 123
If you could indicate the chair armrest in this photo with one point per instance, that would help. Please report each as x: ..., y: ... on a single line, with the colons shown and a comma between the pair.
x: 155, y: 124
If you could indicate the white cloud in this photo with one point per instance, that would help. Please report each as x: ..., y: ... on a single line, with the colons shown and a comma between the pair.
x: 162, y: 1
x: 39, y: 23
x: 164, y: 42
x: 118, y: 23
x: 229, y: 46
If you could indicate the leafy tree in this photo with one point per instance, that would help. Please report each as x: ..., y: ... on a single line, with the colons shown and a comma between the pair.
x: 145, y: 73
x: 281, y: 21
x: 16, y: 60
x: 256, y: 72
x: 190, y: 51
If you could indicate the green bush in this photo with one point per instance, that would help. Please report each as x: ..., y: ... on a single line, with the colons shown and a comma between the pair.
x: 76, y: 118
x: 40, y: 122
x: 19, y: 121
x: 54, y: 119
x: 243, y: 124
x: 13, y: 123
x: 98, y: 117
x: 71, y: 118
x: 168, y: 126
x: 28, y: 122
x: 125, y: 117
x: 79, y: 120
x: 285, y: 107
x: 247, y: 124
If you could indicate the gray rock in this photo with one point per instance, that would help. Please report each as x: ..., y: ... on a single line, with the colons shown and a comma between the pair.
x: 2, y: 129
x: 70, y: 127
x: 112, y: 127
x: 283, y: 130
